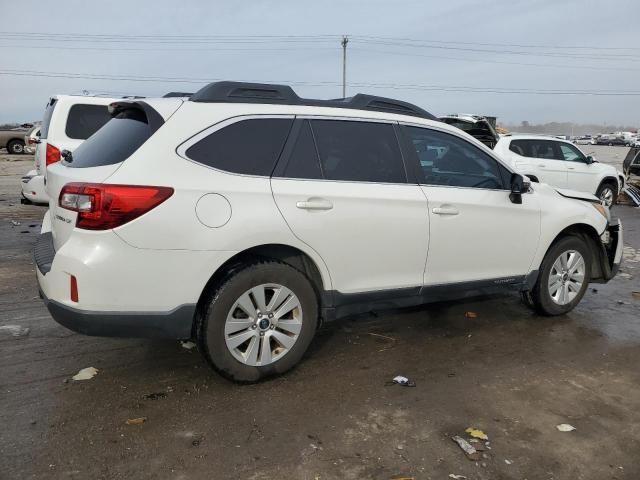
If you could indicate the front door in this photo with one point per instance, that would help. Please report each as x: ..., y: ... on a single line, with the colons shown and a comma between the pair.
x: 476, y: 232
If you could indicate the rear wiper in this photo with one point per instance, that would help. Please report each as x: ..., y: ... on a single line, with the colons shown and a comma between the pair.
x: 67, y: 155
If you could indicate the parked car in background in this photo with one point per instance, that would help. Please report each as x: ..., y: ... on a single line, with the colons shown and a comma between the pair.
x: 245, y: 215
x: 561, y: 164
x: 631, y: 163
x: 585, y: 140
x: 68, y: 121
x: 477, y: 126
x: 13, y: 140
x: 613, y: 141
x: 31, y: 139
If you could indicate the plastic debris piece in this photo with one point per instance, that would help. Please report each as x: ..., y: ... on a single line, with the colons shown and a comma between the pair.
x: 154, y: 396
x: 471, y: 315
x: 15, y: 223
x: 475, y: 433
x: 136, y: 421
x: 14, y: 330
x: 636, y: 295
x: 508, y: 462
x: 457, y: 477
x: 187, y: 344
x: 478, y: 444
x: 403, y: 381
x: 565, y: 427
x: 86, y: 374
x: 467, y: 448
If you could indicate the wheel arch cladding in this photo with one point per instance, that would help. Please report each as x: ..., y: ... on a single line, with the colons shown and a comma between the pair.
x: 609, y: 180
x: 289, y: 255
x: 592, y: 239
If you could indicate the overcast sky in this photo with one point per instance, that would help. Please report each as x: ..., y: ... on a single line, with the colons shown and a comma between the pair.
x: 520, y: 52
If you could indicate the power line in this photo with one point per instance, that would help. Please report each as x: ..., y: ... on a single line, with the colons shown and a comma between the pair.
x: 332, y: 84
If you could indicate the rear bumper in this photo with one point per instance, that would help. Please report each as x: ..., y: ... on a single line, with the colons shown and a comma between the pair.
x: 175, y: 324
x: 33, y: 188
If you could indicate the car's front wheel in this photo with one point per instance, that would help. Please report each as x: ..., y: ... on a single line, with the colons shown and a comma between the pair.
x: 607, y: 193
x: 15, y: 147
x: 259, y: 322
x: 563, y: 278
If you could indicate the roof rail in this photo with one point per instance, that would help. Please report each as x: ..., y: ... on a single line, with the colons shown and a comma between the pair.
x: 241, y: 92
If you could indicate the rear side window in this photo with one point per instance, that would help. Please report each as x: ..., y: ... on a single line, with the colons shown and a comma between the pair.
x: 115, y: 142
x: 545, y: 149
x: 46, y: 119
x: 249, y: 147
x: 358, y: 151
x: 85, y: 120
x: 303, y: 161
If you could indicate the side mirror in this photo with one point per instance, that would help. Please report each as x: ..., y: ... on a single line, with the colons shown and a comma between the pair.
x: 590, y: 160
x: 519, y: 185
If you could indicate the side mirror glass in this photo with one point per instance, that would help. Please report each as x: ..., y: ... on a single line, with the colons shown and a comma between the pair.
x: 590, y: 159
x: 519, y: 185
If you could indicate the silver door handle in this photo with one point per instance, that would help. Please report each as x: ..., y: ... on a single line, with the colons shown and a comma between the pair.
x: 315, y: 205
x: 445, y: 211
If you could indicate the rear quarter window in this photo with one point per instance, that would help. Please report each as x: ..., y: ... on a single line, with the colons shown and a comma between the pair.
x: 249, y: 147
x: 85, y: 120
x: 115, y: 142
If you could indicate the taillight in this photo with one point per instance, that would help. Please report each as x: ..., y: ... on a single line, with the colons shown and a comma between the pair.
x: 53, y: 154
x: 104, y: 206
x: 73, y: 287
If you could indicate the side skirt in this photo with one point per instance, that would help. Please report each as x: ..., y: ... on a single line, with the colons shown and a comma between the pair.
x: 336, y: 305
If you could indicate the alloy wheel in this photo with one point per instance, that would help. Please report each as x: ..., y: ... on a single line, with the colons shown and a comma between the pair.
x: 606, y: 196
x: 263, y: 324
x: 566, y: 277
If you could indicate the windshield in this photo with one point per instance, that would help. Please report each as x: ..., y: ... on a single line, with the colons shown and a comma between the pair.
x: 115, y: 142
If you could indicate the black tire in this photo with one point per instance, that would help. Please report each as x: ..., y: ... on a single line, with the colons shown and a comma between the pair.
x: 611, y: 186
x: 15, y: 147
x: 210, y: 329
x: 543, y: 303
x: 610, y: 144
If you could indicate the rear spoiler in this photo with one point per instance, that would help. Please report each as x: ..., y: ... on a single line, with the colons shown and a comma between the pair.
x: 153, y: 118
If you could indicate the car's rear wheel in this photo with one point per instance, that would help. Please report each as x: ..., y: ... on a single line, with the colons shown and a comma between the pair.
x: 15, y: 147
x: 259, y: 322
x: 563, y: 278
x: 607, y: 193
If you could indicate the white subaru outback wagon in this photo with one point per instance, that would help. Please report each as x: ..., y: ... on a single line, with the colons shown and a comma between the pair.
x: 245, y: 215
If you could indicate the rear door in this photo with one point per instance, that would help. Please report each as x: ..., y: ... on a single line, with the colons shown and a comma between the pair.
x: 476, y: 232
x: 41, y: 148
x: 341, y: 186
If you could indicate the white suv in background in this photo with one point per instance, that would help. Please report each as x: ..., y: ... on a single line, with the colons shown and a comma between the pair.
x: 560, y: 164
x: 68, y: 121
x: 243, y: 216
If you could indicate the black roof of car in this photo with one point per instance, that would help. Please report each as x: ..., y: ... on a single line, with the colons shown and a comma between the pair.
x: 241, y: 92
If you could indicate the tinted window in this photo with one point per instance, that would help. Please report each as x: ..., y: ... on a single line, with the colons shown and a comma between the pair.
x: 249, y: 147
x: 546, y: 149
x: 46, y: 120
x: 303, y: 161
x: 571, y: 153
x: 85, y: 120
x: 448, y: 160
x: 115, y: 142
x: 358, y: 151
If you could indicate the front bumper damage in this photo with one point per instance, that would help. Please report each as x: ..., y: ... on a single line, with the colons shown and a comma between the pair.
x: 611, y: 244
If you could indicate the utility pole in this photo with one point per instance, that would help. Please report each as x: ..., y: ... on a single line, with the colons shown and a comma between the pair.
x: 344, y: 42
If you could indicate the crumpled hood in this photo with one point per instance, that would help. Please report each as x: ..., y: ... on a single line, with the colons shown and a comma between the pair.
x: 577, y: 195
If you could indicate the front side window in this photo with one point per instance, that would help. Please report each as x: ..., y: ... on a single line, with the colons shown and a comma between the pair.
x: 448, y: 160
x: 358, y: 151
x: 85, y: 120
x: 249, y: 147
x: 571, y: 153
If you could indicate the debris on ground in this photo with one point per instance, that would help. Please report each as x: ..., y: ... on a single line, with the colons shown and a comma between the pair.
x: 508, y: 462
x: 565, y: 427
x: 457, y: 477
x: 475, y: 433
x: 391, y: 340
x: 636, y: 295
x: 594, y: 290
x: 15, y: 223
x: 14, y: 330
x: 136, y: 421
x: 154, y: 396
x: 467, y: 448
x: 403, y: 381
x: 478, y: 445
x: 471, y: 315
x: 401, y: 477
x: 85, y: 374
x: 625, y: 275
x: 187, y: 344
